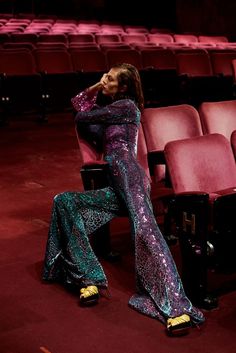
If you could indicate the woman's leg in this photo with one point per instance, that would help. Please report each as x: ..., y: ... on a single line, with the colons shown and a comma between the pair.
x: 69, y: 255
x: 160, y: 291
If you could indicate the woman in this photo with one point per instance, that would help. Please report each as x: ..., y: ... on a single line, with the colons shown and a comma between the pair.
x: 75, y: 215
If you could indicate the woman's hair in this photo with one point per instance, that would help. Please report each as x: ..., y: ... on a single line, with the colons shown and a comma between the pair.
x: 129, y: 77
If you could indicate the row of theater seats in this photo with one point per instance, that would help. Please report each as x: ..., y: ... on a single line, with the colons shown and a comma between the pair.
x: 92, y: 33
x: 55, y: 24
x: 190, y: 156
x: 104, y: 42
x: 50, y: 77
x: 72, y: 26
x: 88, y: 38
x: 184, y: 61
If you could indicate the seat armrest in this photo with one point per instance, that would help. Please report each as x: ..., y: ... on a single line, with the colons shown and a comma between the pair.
x: 155, y: 158
x: 95, y: 175
x: 95, y: 165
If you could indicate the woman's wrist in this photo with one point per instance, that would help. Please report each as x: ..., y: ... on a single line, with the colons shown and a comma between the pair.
x: 94, y: 88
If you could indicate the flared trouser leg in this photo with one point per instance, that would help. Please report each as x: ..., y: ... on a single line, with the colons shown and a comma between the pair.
x: 69, y: 255
x: 160, y: 292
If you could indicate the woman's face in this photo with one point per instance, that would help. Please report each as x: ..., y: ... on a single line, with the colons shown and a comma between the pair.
x: 110, y: 82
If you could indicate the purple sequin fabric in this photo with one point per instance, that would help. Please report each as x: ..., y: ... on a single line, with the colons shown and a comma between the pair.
x: 159, y: 290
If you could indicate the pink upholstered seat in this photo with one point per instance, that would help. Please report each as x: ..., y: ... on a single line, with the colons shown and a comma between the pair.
x: 24, y: 37
x: 131, y: 56
x: 159, y: 58
x: 218, y: 117
x: 17, y: 62
x: 221, y: 62
x: 205, y: 163
x: 88, y: 60
x: 53, y: 37
x: 21, y: 87
x: 165, y: 124
x: 160, y: 38
x: 212, y: 39
x: 80, y: 38
x: 53, y: 61
x: 194, y: 63
x: 134, y: 38
x: 203, y: 176
x: 185, y: 38
x: 57, y: 72
x: 107, y: 37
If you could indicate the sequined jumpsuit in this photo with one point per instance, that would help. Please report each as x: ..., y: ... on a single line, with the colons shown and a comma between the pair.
x: 75, y: 215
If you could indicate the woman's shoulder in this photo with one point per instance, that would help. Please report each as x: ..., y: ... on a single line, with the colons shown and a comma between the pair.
x: 128, y: 109
x: 125, y: 103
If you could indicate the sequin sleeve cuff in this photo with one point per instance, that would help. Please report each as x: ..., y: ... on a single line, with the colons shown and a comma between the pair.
x: 84, y: 101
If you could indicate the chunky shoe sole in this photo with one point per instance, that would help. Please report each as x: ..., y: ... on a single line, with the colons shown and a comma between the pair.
x: 179, y: 326
x: 92, y: 300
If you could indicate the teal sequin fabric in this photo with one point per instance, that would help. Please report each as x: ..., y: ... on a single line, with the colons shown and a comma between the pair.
x: 75, y: 215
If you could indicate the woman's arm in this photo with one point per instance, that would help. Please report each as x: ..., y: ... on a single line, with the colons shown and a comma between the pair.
x: 85, y: 100
x: 120, y: 112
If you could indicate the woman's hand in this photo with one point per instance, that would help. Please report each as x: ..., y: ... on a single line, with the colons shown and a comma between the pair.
x: 103, y: 81
x: 98, y: 86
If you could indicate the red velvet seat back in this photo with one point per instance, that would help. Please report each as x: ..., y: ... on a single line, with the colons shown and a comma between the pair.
x: 106, y: 38
x: 165, y: 124
x: 130, y: 56
x: 194, y: 63
x: 185, y: 38
x: 53, y: 61
x: 222, y: 62
x: 88, y: 60
x: 158, y: 58
x: 218, y: 117
x: 160, y: 39
x: 212, y: 39
x: 88, y: 153
x: 205, y: 163
x: 17, y: 62
x: 52, y: 37
x: 81, y: 38
x: 134, y: 38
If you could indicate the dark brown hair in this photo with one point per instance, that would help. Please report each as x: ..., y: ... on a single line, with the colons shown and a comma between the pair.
x: 129, y: 77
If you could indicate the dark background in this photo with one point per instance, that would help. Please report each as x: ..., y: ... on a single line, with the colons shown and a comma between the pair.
x: 213, y: 17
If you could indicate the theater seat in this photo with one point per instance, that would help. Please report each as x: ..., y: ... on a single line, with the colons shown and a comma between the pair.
x: 218, y: 117
x: 165, y: 124
x: 94, y: 174
x: 20, y: 83
x: 131, y: 56
x: 212, y: 39
x: 221, y: 62
x: 90, y: 65
x: 159, y: 77
x: 203, y: 176
x: 59, y: 80
x: 198, y: 82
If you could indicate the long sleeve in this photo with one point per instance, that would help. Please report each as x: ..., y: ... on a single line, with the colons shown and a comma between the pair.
x: 84, y: 101
x: 120, y: 112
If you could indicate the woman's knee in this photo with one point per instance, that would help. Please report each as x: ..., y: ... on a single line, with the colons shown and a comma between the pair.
x: 60, y: 198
